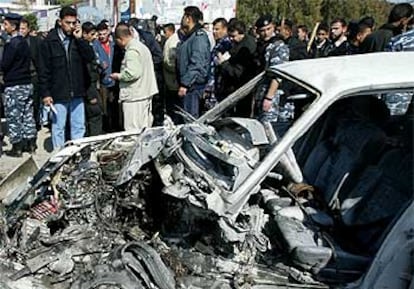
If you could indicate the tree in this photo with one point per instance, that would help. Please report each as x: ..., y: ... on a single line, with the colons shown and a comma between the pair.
x: 310, y: 11
x: 67, y: 2
x: 250, y: 10
x: 32, y: 19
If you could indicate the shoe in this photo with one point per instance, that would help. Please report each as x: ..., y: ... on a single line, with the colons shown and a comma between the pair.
x: 29, y: 146
x: 16, y: 151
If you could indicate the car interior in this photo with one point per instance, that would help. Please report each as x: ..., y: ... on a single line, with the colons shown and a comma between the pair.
x: 357, y: 163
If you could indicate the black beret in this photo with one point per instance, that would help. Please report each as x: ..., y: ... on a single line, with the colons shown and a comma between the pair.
x: 263, y: 21
x: 12, y: 16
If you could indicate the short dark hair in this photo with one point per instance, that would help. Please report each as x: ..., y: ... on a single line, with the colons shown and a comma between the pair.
x: 169, y: 26
x: 67, y: 11
x: 340, y: 20
x: 25, y: 20
x: 289, y: 24
x: 194, y: 13
x: 102, y: 26
x: 304, y: 28
x: 15, y: 23
x: 122, y: 30
x: 323, y: 26
x: 237, y: 25
x: 355, y: 27
x: 220, y: 20
x: 400, y: 11
x: 232, y: 20
x: 88, y: 27
x: 368, y: 20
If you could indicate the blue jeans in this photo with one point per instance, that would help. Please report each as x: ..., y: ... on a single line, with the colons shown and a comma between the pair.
x: 191, y: 102
x: 76, y: 110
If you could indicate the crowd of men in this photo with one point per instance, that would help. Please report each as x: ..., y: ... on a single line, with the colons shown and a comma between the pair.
x: 88, y: 79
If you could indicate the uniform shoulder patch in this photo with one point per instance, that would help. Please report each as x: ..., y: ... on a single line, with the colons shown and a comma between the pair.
x: 200, y: 32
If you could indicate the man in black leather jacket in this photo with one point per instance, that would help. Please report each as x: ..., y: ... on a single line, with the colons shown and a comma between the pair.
x: 63, y: 76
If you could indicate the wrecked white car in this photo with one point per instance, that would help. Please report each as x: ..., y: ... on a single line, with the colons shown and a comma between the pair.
x: 223, y: 202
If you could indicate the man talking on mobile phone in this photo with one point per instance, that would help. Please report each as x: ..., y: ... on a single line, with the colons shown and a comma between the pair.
x: 63, y: 76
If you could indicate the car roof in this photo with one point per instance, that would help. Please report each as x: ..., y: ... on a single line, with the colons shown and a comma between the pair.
x: 353, y: 73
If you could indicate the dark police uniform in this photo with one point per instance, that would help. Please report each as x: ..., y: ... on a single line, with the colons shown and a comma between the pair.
x: 193, y: 58
x: 18, y: 92
x: 273, y: 52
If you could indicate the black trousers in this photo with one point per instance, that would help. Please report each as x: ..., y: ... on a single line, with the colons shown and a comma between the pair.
x: 93, y: 118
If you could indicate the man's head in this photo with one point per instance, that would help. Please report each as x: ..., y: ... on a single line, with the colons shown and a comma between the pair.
x: 303, y: 32
x: 11, y: 23
x: 219, y: 28
x: 368, y: 21
x: 25, y: 27
x: 236, y: 30
x: 103, y: 32
x: 265, y: 27
x: 123, y: 35
x: 322, y: 33
x: 67, y: 20
x: 192, y: 16
x: 139, y: 24
x: 88, y: 31
x: 287, y: 29
x: 400, y: 15
x: 338, y: 28
x: 169, y: 30
x: 363, y: 31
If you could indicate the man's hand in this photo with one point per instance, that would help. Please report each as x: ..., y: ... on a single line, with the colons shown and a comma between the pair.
x: 48, y: 100
x: 115, y: 76
x: 220, y: 58
x: 77, y: 33
x: 267, y: 105
x: 93, y: 101
x: 182, y: 91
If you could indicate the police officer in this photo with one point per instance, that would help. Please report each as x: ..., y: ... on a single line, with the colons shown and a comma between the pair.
x: 18, y: 89
x: 193, y: 60
x: 272, y: 51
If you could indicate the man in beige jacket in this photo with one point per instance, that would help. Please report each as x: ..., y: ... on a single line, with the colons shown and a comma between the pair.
x: 137, y: 80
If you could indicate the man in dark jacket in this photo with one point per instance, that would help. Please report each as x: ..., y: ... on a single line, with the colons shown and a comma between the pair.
x: 34, y: 44
x: 63, y: 76
x: 222, y: 46
x: 340, y: 43
x: 297, y: 48
x: 322, y: 45
x: 193, y: 58
x: 398, y: 19
x: 237, y: 70
x: 18, y: 88
x: 93, y: 103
